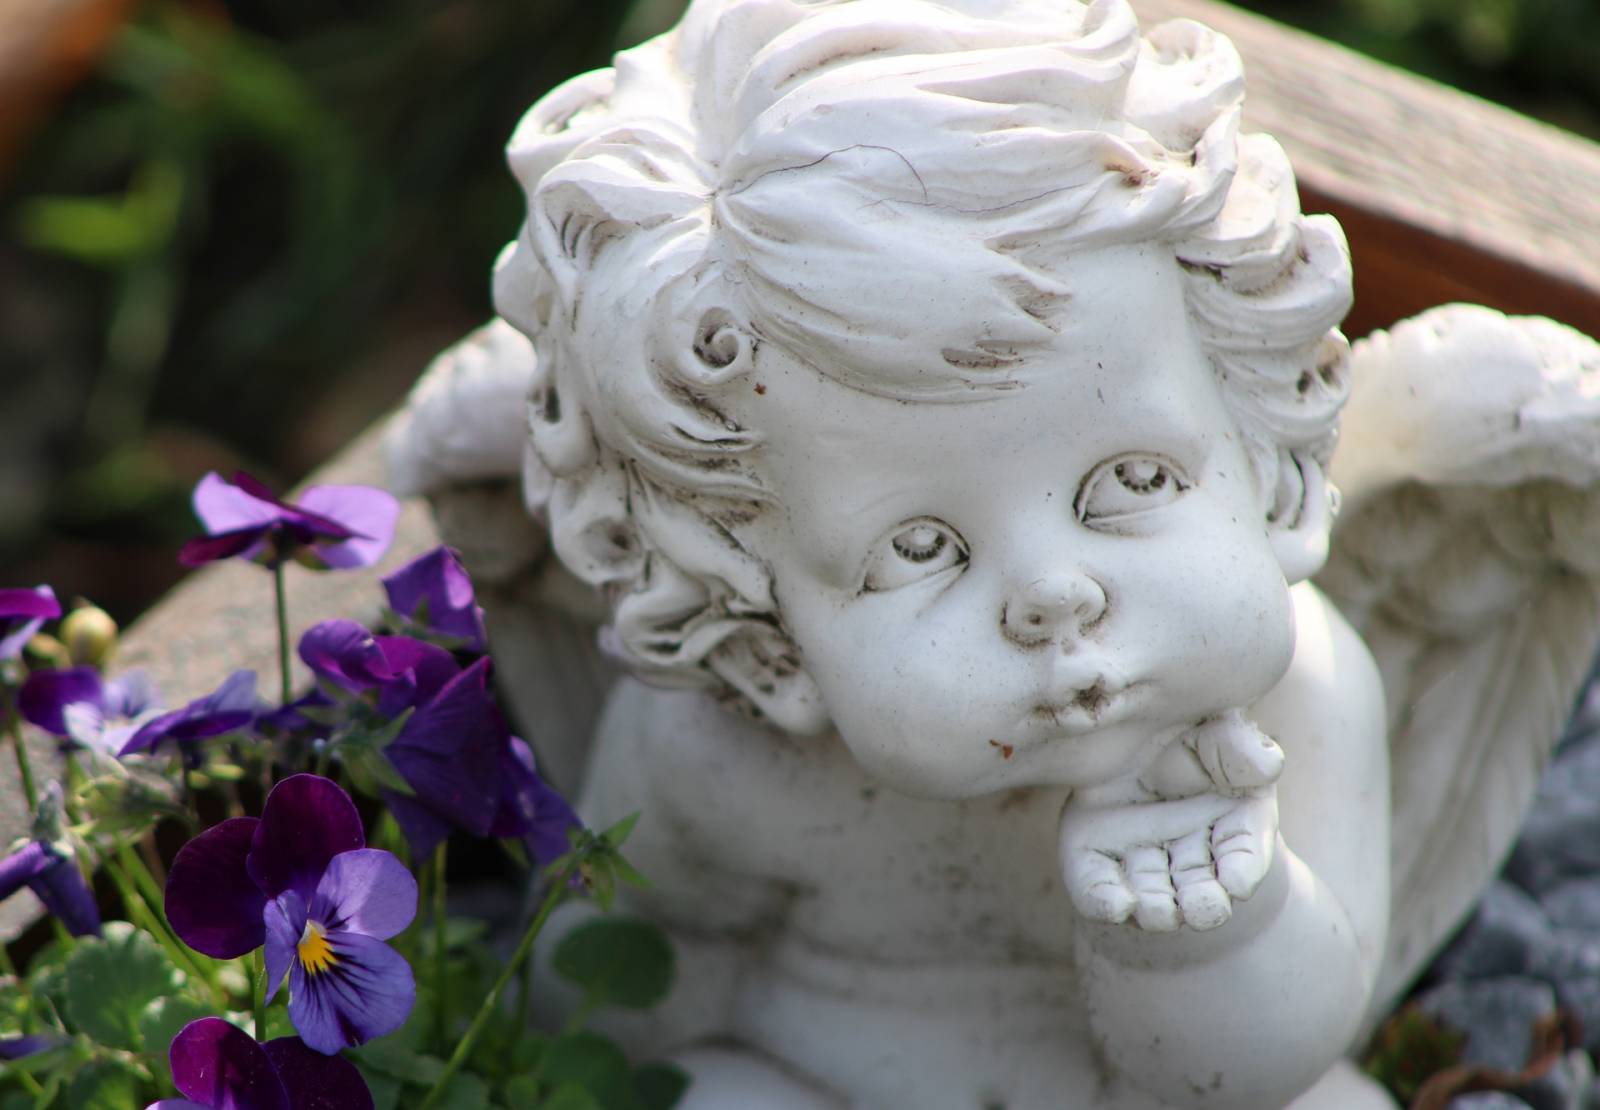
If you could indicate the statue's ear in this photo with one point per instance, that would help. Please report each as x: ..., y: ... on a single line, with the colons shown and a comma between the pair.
x: 763, y: 664
x: 1301, y: 517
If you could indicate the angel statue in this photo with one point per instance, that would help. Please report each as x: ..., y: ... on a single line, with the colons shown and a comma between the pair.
x: 935, y: 405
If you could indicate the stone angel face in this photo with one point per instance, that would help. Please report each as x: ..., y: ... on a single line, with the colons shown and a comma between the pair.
x: 1040, y: 588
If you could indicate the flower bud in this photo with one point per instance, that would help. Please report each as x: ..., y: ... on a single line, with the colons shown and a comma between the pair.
x: 90, y: 635
x: 44, y: 650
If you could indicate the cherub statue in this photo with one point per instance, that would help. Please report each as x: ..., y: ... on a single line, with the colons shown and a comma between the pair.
x: 942, y: 399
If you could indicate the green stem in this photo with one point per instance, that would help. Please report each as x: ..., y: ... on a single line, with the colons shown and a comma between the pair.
x: 24, y: 767
x: 141, y: 915
x: 558, y: 891
x: 284, y: 681
x: 155, y: 901
x: 440, y: 970
x: 260, y: 995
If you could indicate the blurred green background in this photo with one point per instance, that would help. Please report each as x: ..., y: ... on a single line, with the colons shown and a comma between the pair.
x: 233, y: 231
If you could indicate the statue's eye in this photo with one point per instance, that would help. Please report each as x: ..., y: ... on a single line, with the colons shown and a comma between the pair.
x: 1126, y: 485
x: 914, y: 551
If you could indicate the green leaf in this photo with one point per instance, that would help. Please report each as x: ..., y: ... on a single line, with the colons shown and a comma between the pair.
x: 111, y: 980
x: 385, y: 1090
x: 660, y: 1085
x: 617, y: 961
x: 617, y: 834
x: 104, y: 1085
x: 628, y: 874
x: 371, y: 770
x: 464, y: 1092
x: 400, y: 1062
x: 596, y: 1065
x: 570, y: 1096
x: 164, y: 1017
x: 522, y: 1090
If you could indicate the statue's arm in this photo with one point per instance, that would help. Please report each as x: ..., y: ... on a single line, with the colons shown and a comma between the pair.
x: 1252, y: 1013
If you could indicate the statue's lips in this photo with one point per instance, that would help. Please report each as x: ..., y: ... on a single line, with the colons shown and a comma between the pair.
x: 1101, y: 699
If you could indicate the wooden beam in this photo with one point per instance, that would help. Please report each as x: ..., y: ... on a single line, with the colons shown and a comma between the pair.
x: 1444, y: 196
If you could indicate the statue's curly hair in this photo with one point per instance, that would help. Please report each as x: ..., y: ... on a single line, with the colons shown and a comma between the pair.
x: 740, y: 181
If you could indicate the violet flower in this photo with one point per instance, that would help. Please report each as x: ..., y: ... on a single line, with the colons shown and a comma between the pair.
x: 301, y: 881
x: 435, y: 595
x: 228, y: 708
x: 52, y: 874
x: 22, y: 613
x: 219, y: 1066
x: 531, y: 810
x: 29, y: 1044
x: 330, y: 526
x: 79, y: 706
x: 455, y: 751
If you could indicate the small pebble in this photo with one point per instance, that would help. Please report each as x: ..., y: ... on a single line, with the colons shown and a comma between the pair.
x: 1500, y: 938
x: 1574, y: 904
x: 1487, y: 1100
x: 1497, y: 1015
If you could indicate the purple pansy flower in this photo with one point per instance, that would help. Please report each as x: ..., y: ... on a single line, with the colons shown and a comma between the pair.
x: 434, y: 592
x: 219, y: 1066
x: 52, y: 874
x: 228, y: 708
x: 301, y: 880
x: 330, y: 526
x: 29, y: 1044
x: 22, y: 613
x: 455, y: 751
x: 531, y: 809
x: 76, y: 704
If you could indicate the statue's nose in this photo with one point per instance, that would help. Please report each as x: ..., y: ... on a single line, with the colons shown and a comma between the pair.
x: 1052, y: 607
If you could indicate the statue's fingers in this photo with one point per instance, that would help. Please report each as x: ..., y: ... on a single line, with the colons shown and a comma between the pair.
x: 1236, y: 754
x: 1203, y: 901
x: 1242, y: 842
x: 1097, y: 889
x: 1150, y: 878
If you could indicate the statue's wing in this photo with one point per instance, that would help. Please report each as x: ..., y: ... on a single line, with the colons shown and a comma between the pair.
x: 461, y: 441
x: 1468, y: 556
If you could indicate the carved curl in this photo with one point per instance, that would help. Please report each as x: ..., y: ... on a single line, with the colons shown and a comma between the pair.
x: 741, y: 180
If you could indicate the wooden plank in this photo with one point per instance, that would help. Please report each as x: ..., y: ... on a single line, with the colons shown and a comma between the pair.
x: 1444, y: 196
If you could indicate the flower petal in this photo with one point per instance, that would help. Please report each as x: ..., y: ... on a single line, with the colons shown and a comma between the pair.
x: 230, y: 706
x: 449, y: 751
x: 306, y: 821
x: 65, y: 894
x: 22, y: 612
x: 369, y: 991
x: 245, y: 542
x: 212, y: 902
x: 130, y: 694
x: 24, y: 865
x: 15, y: 1048
x: 225, y: 506
x: 220, y: 1065
x: 317, y: 1082
x: 367, y: 891
x: 531, y: 808
x: 424, y: 830
x: 46, y: 694
x: 422, y: 670
x: 285, y: 920
x: 346, y: 654
x: 438, y: 580
x: 367, y: 511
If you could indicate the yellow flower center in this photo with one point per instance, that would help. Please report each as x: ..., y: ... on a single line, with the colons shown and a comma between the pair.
x: 316, y: 954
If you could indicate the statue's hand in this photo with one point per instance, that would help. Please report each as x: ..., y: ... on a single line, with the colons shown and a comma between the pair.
x: 1164, y: 864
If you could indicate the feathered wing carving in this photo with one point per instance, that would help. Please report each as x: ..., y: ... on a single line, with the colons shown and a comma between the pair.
x: 461, y: 441
x: 1468, y: 557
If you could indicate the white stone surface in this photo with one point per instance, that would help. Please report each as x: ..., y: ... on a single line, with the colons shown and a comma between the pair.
x: 941, y: 401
